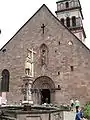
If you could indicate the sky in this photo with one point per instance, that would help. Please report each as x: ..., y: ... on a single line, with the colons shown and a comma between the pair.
x: 14, y: 13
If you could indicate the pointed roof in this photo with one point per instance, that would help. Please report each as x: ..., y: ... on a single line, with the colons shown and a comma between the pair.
x: 62, y: 1
x: 53, y: 16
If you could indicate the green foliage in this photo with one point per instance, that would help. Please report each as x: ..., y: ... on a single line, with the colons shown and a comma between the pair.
x: 87, y: 110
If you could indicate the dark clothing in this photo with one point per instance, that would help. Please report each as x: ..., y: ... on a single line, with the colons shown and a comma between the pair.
x: 72, y: 104
x: 77, y: 107
x: 79, y: 115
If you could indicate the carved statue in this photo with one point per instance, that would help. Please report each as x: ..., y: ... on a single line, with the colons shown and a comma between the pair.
x: 29, y: 63
x: 44, y: 54
x: 28, y: 66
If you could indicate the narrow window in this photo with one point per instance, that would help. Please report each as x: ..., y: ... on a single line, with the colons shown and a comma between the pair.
x: 73, y: 21
x: 55, y: 51
x: 72, y: 69
x: 72, y: 4
x: 68, y: 22
x: 67, y: 5
x: 5, y: 81
x: 43, y: 54
x: 58, y: 86
x: 58, y: 73
x: 62, y: 21
x: 59, y: 42
x: 62, y: 6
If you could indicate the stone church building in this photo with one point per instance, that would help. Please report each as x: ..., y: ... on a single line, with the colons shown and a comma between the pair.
x: 60, y: 69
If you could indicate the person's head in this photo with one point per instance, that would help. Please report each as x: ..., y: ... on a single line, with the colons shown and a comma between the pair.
x: 81, y: 109
x: 77, y: 109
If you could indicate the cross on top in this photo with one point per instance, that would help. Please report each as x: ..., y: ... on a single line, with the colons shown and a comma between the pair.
x: 43, y: 28
x: 31, y: 53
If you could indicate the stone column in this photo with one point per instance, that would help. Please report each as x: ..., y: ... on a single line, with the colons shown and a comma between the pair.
x: 28, y: 93
x: 29, y: 75
x: 4, y: 100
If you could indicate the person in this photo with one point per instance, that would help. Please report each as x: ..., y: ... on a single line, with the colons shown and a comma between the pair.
x: 77, y: 104
x: 71, y: 103
x: 47, y: 100
x: 79, y: 114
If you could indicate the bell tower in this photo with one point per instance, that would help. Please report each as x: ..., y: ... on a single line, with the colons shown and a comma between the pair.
x: 69, y: 12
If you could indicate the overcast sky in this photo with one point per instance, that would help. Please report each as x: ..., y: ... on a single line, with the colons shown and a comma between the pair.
x: 14, y: 13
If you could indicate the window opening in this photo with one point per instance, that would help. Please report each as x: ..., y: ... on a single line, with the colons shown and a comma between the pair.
x: 62, y: 21
x: 73, y: 21
x: 68, y: 22
x: 43, y: 54
x: 59, y: 42
x: 72, y: 69
x: 5, y: 81
x: 67, y: 5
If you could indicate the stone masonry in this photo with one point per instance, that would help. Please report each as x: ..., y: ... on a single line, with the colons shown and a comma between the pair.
x: 68, y: 65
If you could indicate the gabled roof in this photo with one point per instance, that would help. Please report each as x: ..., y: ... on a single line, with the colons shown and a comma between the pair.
x: 62, y: 1
x: 53, y: 16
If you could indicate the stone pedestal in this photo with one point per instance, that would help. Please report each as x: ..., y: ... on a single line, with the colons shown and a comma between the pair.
x: 28, y: 93
x: 4, y: 100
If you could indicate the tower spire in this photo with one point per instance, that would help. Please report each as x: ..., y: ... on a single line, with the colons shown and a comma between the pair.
x: 70, y: 14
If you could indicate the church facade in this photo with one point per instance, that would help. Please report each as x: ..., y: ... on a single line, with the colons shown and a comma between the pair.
x: 60, y: 67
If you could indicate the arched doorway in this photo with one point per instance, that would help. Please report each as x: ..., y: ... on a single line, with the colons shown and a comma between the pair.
x: 45, y: 96
x: 43, y: 90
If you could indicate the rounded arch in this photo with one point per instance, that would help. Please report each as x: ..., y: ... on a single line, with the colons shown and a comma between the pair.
x: 5, y: 81
x: 43, y: 88
x: 62, y: 6
x: 44, y: 54
x: 62, y: 21
x: 68, y: 22
x: 43, y: 82
x: 73, y: 21
x: 72, y: 3
x: 44, y: 46
x: 67, y: 4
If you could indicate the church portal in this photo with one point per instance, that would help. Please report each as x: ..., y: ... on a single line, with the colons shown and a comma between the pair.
x: 43, y: 90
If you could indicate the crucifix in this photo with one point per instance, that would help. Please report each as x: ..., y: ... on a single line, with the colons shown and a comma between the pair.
x: 29, y: 63
x: 29, y: 74
x: 43, y: 28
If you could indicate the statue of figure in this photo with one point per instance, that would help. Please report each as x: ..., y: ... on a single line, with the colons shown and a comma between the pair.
x: 43, y: 60
x: 28, y: 66
x: 44, y: 54
x: 29, y: 63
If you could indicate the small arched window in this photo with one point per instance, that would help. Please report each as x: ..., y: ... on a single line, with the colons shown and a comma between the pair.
x: 43, y: 54
x: 68, y: 22
x: 5, y: 81
x: 67, y: 4
x: 62, y: 21
x: 73, y: 21
x: 62, y: 6
x: 72, y: 3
